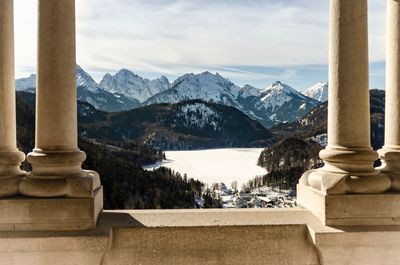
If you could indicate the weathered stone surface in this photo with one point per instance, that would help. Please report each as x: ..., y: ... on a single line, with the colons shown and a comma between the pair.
x: 348, y: 190
x: 43, y: 214
x: 257, y: 236
x: 348, y: 157
x: 351, y: 209
x: 279, y: 244
x: 390, y: 153
x: 10, y: 157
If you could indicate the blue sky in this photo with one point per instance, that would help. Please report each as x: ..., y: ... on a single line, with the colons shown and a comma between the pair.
x: 248, y: 41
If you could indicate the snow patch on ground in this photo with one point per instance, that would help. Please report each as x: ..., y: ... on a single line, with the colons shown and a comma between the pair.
x: 199, y: 115
x: 322, y: 139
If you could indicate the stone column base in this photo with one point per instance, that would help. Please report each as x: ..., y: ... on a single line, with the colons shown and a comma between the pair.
x: 390, y: 157
x: 350, y: 209
x: 49, y: 214
x: 10, y: 172
x: 81, y: 186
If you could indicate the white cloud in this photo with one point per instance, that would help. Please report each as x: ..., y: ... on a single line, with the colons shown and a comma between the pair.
x: 179, y: 36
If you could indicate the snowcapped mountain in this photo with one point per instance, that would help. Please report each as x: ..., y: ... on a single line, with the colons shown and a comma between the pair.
x: 205, y: 86
x: 186, y: 125
x: 88, y: 91
x: 277, y: 94
x: 126, y: 90
x: 279, y: 103
x: 318, y: 92
x: 249, y: 91
x: 133, y: 86
x: 26, y: 84
x: 314, y: 123
x: 83, y: 79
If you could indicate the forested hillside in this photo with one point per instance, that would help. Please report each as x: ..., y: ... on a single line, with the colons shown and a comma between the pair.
x: 315, y: 122
x: 126, y: 184
x: 186, y: 125
x: 286, y: 161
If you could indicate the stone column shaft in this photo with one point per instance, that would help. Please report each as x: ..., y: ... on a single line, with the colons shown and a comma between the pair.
x: 390, y: 153
x: 348, y: 113
x: 56, y: 95
x: 348, y: 157
x: 56, y: 160
x: 7, y: 86
x: 10, y: 157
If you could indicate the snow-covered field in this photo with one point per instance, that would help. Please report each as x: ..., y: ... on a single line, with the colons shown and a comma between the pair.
x: 215, y: 165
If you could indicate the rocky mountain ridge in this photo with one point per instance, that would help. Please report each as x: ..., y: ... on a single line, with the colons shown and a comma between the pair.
x: 125, y: 90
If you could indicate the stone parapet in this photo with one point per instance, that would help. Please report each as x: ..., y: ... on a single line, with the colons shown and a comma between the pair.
x: 350, y: 209
x: 50, y: 214
x: 251, y: 236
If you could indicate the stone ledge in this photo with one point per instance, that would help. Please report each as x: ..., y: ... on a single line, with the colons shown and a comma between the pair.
x: 205, y: 217
x: 351, y: 209
x: 50, y: 214
x: 237, y: 236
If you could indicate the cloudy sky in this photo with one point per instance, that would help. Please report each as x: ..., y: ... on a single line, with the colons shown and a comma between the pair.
x: 248, y: 41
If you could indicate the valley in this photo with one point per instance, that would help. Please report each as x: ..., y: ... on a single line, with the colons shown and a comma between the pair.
x: 229, y: 146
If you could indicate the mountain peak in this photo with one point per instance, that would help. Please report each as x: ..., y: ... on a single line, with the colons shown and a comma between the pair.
x: 163, y: 77
x: 85, y: 80
x: 249, y: 91
x: 279, y: 87
x: 318, y: 91
x: 127, y: 73
x: 133, y: 86
x: 206, y: 86
x: 277, y: 94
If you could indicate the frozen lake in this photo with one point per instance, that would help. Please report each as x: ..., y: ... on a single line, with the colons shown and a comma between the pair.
x: 215, y: 165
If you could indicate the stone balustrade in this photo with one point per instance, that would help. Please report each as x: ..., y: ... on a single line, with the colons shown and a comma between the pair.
x: 348, y: 190
x: 229, y: 236
x: 390, y: 153
x: 56, y: 160
x: 349, y: 214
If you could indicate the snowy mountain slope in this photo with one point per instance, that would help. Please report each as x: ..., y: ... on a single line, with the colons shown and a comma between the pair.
x: 83, y: 79
x: 314, y: 123
x: 205, y: 86
x: 186, y: 125
x: 318, y: 92
x: 26, y: 84
x: 249, y: 91
x: 87, y: 90
x: 199, y: 115
x: 282, y: 103
x: 278, y: 94
x: 106, y: 101
x: 277, y: 103
x: 133, y: 86
x: 126, y: 90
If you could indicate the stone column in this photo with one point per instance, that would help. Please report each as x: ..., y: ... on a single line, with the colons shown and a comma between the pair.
x: 348, y: 190
x: 56, y: 160
x: 10, y: 157
x: 390, y: 153
x: 348, y: 157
